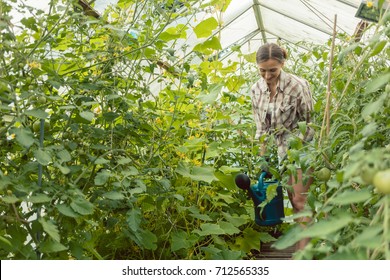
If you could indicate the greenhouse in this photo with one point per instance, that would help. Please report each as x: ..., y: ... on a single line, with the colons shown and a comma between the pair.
x: 134, y: 130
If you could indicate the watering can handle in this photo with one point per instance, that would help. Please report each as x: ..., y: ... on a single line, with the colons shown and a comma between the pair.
x: 261, y: 178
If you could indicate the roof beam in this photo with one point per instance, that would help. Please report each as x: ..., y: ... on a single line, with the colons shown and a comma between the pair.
x: 295, y: 19
x: 348, y: 3
x: 227, y: 51
x: 259, y: 19
x: 288, y: 41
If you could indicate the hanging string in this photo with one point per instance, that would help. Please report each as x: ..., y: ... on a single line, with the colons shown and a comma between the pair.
x: 324, y: 18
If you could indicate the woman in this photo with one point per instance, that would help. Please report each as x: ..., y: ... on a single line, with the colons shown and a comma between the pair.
x: 280, y: 100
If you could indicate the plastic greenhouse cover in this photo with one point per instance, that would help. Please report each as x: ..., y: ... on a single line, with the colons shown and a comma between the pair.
x: 290, y: 20
x: 293, y: 21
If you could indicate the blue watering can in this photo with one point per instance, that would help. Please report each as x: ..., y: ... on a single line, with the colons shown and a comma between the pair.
x: 273, y: 212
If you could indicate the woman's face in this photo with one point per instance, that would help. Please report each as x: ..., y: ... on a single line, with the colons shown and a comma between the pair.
x: 270, y: 70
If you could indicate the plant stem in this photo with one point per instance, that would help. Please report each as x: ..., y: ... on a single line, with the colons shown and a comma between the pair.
x: 386, y: 216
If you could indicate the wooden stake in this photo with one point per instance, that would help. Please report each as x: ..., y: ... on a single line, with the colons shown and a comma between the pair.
x: 326, y: 120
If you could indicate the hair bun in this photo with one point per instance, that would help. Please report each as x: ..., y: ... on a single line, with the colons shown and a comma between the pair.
x: 285, y: 55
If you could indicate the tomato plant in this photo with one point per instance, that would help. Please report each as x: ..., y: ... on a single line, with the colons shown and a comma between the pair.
x: 351, y: 217
x: 143, y: 146
x: 141, y: 142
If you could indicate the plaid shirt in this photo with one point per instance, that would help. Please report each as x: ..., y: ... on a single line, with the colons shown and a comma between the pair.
x: 293, y: 103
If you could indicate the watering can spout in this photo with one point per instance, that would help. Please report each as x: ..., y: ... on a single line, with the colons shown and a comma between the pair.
x: 242, y: 181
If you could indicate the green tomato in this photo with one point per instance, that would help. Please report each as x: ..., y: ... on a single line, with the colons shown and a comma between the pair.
x: 387, y: 89
x: 381, y: 181
x: 367, y: 173
x: 37, y: 126
x: 323, y: 174
x: 41, y: 100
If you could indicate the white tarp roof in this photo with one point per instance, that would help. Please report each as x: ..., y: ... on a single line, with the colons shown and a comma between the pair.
x: 248, y: 23
x: 292, y: 21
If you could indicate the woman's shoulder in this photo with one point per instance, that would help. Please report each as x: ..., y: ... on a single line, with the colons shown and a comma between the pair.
x: 259, y: 86
x: 295, y: 80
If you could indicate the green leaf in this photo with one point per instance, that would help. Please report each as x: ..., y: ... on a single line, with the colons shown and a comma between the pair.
x: 130, y: 171
x: 229, y: 170
x: 37, y: 113
x: 39, y: 198
x: 266, y: 237
x: 288, y: 239
x: 87, y: 115
x: 251, y: 57
x: 236, y: 220
x: 66, y: 210
x: 5, y: 244
x: 82, y: 206
x: 110, y: 116
x: 228, y: 228
x: 174, y: 33
x: 133, y: 219
x: 9, y: 199
x: 24, y: 136
x: 64, y: 156
x: 377, y: 83
x: 351, y: 196
x: 64, y: 169
x: 325, y: 227
x: 198, y: 173
x: 369, y: 129
x: 250, y: 240
x: 51, y: 246
x: 149, y: 53
x: 211, y: 252
x: 203, y: 173
x: 346, y: 51
x: 101, y: 160
x: 378, y: 48
x: 202, y: 217
x: 369, y: 238
x: 209, y: 229
x: 30, y: 23
x: 373, y: 107
x: 208, y: 46
x: 181, y: 240
x: 211, y: 96
x: 148, y: 240
x: 50, y: 228
x: 206, y: 27
x: 42, y: 156
x: 302, y: 127
x: 124, y: 161
x: 102, y: 177
x: 178, y: 197
x: 113, y: 195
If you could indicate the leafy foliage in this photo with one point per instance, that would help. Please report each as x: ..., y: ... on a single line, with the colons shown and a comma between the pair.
x: 138, y: 138
x: 351, y: 219
x: 135, y: 156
